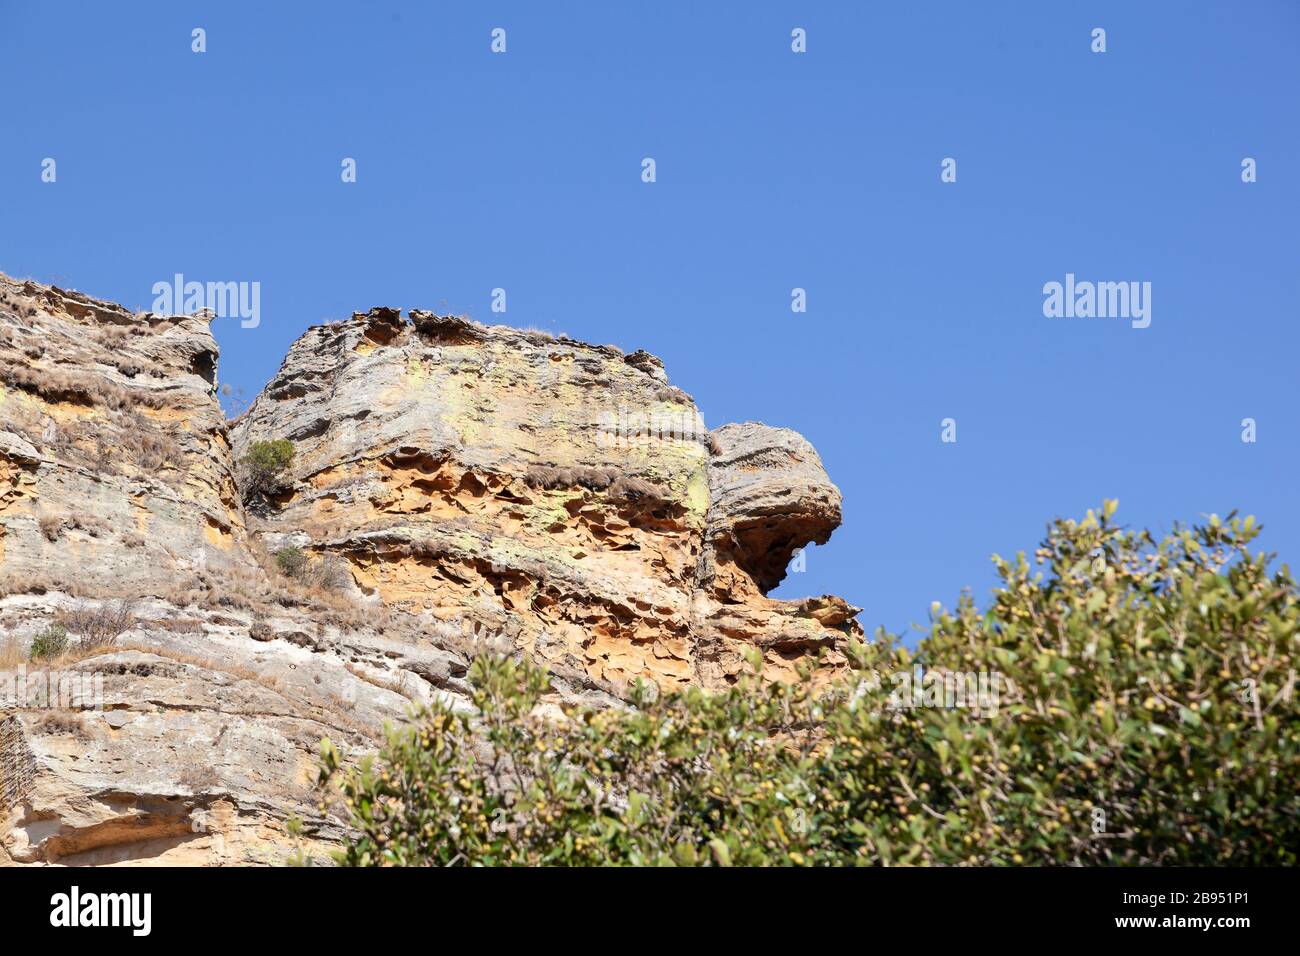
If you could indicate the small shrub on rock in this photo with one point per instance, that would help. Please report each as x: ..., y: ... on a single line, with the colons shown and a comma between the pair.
x: 264, y: 465
x: 291, y: 562
x: 49, y: 643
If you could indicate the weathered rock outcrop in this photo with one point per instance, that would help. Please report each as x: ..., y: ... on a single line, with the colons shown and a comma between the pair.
x: 115, y: 466
x: 559, y: 494
x: 479, y: 487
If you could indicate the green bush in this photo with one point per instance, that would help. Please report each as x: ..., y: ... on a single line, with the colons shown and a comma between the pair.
x: 264, y: 463
x: 270, y: 456
x: 291, y: 562
x: 1139, y: 708
x: 50, y: 643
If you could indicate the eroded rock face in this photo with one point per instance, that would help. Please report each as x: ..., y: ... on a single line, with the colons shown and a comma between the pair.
x: 769, y: 495
x: 561, y: 494
x: 115, y: 467
x: 192, y: 739
x: 480, y: 488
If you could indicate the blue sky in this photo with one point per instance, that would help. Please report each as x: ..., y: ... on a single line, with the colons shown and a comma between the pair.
x: 775, y: 170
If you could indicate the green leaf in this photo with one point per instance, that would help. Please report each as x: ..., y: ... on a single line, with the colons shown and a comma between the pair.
x: 721, y: 854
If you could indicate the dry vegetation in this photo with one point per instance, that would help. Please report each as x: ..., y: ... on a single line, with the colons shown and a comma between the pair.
x: 61, y: 722
x: 88, y: 331
x: 57, y: 385
x: 264, y: 591
x: 101, y: 626
x: 51, y: 526
x: 12, y: 652
x: 148, y: 444
x: 27, y: 584
x: 237, y: 671
x: 610, y: 480
x: 538, y: 336
x: 108, y: 441
x: 398, y: 683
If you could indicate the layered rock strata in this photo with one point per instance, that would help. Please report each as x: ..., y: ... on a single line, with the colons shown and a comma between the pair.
x: 472, y: 488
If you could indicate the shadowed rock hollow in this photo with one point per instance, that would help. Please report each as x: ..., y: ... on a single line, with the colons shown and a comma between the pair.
x: 475, y: 488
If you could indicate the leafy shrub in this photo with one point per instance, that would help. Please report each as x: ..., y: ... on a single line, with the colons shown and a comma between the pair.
x: 270, y: 456
x: 1144, y: 713
x: 264, y: 464
x: 291, y: 562
x: 50, y: 643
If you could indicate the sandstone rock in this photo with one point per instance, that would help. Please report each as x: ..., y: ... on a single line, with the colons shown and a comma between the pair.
x: 115, y: 468
x: 477, y: 488
x: 769, y: 496
x: 556, y: 491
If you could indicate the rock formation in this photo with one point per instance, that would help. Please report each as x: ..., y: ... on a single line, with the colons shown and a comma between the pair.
x: 469, y: 488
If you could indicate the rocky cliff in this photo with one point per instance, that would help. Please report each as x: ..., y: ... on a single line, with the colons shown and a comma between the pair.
x: 454, y: 489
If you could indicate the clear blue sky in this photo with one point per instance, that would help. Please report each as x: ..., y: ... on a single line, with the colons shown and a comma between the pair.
x: 775, y: 170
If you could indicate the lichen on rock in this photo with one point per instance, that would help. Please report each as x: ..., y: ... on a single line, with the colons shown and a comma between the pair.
x: 472, y: 488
